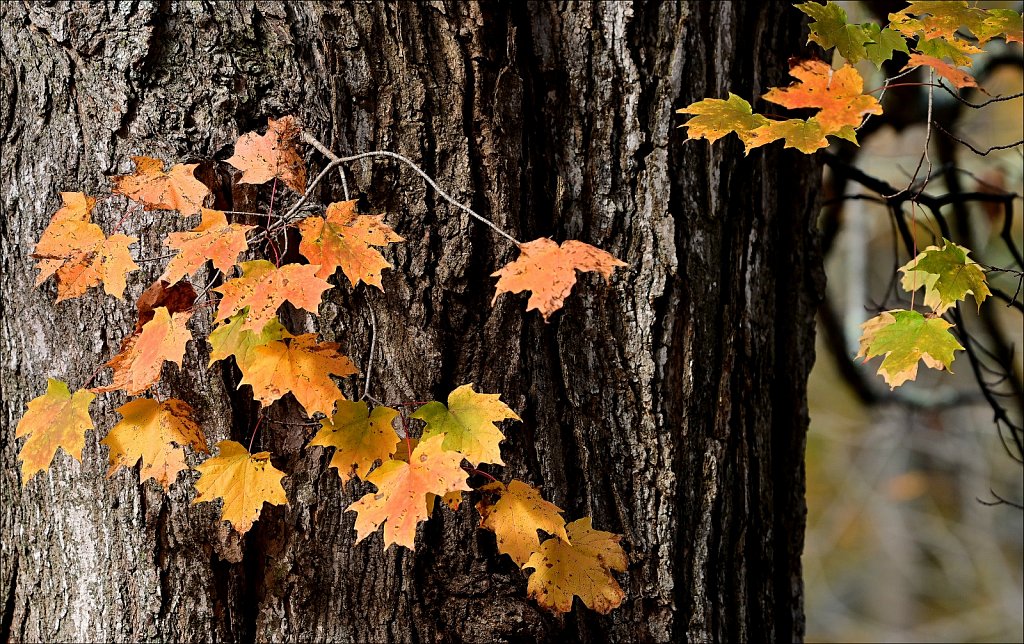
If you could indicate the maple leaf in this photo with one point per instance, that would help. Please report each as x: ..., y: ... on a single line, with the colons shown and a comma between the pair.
x: 177, y: 189
x: 549, y: 271
x: 805, y: 136
x: 716, y: 118
x: 301, y: 366
x: 55, y: 419
x: 214, y: 240
x: 263, y: 288
x: 941, y: 19
x: 959, y: 78
x: 155, y: 432
x: 836, y: 93
x: 137, y: 366
x: 947, y: 275
x: 956, y: 50
x: 516, y: 516
x: 245, y: 481
x: 467, y: 424
x: 359, y: 437
x: 1007, y: 22
x: 343, y: 238
x: 77, y: 252
x: 580, y: 567
x: 402, y: 488
x: 905, y: 337
x: 884, y: 43
x: 232, y: 339
x: 176, y: 298
x: 274, y: 154
x: 831, y: 29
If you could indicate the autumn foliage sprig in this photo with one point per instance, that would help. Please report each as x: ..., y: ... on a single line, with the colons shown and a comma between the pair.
x: 928, y: 33
x: 410, y: 474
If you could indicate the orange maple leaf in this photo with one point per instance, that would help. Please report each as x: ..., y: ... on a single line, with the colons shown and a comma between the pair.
x: 142, y: 356
x: 582, y: 568
x: 298, y: 365
x: 274, y: 154
x: 402, y: 488
x: 77, y: 252
x: 359, y: 437
x: 516, y: 516
x: 245, y: 482
x: 343, y: 238
x: 155, y: 189
x: 838, y: 94
x: 55, y: 419
x: 549, y: 271
x: 214, y: 240
x: 263, y: 288
x: 958, y: 77
x: 155, y: 432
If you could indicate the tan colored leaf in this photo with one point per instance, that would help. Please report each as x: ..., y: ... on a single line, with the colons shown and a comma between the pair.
x: 344, y: 239
x: 177, y: 189
x: 359, y: 437
x: 245, y: 482
x: 519, y: 512
x: 402, y: 488
x: 213, y: 240
x: 301, y: 366
x: 261, y: 158
x: 57, y: 419
x: 467, y: 424
x: 137, y: 367
x: 155, y: 432
x: 549, y: 271
x: 582, y: 568
x: 264, y: 288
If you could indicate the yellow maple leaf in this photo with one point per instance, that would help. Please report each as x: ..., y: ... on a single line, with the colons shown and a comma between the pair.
x: 245, y: 481
x: 359, y: 437
x: 467, y: 424
x: 57, y: 419
x: 301, y: 366
x: 516, y: 516
x: 155, y: 432
x: 581, y: 568
x: 402, y: 488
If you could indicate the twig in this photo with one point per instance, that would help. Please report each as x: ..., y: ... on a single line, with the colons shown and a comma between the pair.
x: 335, y: 159
x: 373, y: 346
x: 974, y: 149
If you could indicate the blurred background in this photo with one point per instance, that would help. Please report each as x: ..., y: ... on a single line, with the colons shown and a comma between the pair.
x: 901, y: 544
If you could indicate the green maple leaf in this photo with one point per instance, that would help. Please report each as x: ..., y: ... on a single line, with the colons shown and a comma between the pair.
x: 232, y: 339
x: 716, y: 117
x: 905, y: 338
x: 831, y: 29
x: 884, y: 43
x: 947, y: 276
x: 467, y: 424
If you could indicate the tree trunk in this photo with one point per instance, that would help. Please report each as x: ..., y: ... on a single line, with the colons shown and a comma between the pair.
x: 669, y: 405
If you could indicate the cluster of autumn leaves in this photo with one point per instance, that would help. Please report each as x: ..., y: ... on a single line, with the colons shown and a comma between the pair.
x: 412, y: 473
x: 946, y: 274
x: 838, y: 94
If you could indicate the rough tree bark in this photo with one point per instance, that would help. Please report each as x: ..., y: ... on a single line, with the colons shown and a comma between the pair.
x: 669, y: 405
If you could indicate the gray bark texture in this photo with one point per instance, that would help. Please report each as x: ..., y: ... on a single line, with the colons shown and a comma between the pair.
x: 669, y: 405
